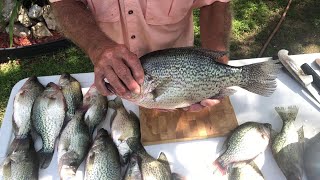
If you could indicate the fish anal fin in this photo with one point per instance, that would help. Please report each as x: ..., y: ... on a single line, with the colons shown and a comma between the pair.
x: 224, y: 93
x: 163, y: 158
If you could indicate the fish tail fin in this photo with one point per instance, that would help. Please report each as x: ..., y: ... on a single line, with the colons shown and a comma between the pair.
x: 217, y: 166
x: 44, y: 158
x: 116, y: 103
x: 260, y: 78
x: 68, y: 165
x: 288, y: 114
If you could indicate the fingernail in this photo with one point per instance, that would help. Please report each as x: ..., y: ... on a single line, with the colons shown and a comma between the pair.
x: 140, y: 81
x: 136, y: 90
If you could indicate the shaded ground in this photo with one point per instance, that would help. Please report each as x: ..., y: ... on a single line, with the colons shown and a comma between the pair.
x: 253, y: 22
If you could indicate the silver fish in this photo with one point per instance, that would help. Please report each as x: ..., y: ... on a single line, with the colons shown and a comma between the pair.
x: 246, y: 172
x: 96, y: 105
x: 287, y: 146
x: 73, y: 145
x: 71, y: 90
x: 150, y: 168
x: 312, y: 158
x: 103, y: 162
x: 22, y: 106
x: 179, y: 77
x: 48, y: 114
x: 246, y: 142
x: 123, y: 126
x: 22, y: 162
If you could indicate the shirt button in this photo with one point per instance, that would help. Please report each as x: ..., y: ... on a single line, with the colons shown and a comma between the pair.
x: 133, y: 37
x: 130, y: 12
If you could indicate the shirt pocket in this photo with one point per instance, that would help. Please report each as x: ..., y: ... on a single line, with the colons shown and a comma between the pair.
x: 105, y: 10
x: 161, y: 12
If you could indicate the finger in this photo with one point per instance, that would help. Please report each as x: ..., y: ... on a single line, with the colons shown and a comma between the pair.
x: 135, y: 65
x: 124, y: 74
x: 99, y: 83
x: 209, y: 102
x: 195, y: 108
x: 115, y: 82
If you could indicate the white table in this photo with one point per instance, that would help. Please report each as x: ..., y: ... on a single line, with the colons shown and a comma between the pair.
x: 194, y: 158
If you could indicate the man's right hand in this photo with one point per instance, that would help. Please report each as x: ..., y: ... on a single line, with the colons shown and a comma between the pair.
x: 121, y: 68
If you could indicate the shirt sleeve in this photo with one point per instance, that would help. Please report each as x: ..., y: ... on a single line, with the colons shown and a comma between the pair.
x: 201, y: 3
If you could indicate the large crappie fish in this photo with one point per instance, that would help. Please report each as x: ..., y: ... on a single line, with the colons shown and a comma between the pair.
x: 123, y: 125
x: 179, y: 77
x: 22, y: 106
x: 244, y: 144
x: 48, y: 113
x: 71, y: 90
x: 312, y: 157
x: 22, y: 161
x: 103, y: 161
x: 287, y: 146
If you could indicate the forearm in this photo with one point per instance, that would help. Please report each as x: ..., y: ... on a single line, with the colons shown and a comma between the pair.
x: 215, y: 26
x: 78, y: 25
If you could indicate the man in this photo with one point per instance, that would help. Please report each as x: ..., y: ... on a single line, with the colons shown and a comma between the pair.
x: 115, y: 33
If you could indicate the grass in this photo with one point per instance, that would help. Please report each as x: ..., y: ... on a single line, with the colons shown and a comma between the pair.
x: 253, y: 22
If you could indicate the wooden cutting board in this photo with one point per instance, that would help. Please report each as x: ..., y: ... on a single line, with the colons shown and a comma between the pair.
x: 164, y: 127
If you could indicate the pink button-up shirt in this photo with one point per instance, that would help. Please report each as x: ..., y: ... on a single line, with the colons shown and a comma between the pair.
x: 147, y: 25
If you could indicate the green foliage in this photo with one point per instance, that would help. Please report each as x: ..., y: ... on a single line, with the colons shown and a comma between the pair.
x: 13, y: 17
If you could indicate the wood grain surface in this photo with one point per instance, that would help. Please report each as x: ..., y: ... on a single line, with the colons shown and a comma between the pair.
x: 163, y: 127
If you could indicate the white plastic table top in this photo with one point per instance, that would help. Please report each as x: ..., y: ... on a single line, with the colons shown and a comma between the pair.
x: 193, y: 159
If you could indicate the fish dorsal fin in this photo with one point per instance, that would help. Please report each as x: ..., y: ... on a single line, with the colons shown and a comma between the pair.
x: 214, y: 54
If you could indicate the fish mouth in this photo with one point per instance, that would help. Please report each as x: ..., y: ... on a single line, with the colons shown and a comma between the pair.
x: 266, y: 129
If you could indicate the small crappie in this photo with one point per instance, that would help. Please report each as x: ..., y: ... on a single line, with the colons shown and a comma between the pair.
x: 312, y: 158
x: 151, y: 168
x: 71, y: 90
x: 103, y: 162
x: 74, y: 144
x: 48, y: 114
x: 22, y: 162
x: 133, y: 171
x: 287, y: 146
x: 246, y: 172
x: 123, y: 126
x: 97, y: 106
x: 22, y: 106
x: 179, y: 77
x: 246, y: 142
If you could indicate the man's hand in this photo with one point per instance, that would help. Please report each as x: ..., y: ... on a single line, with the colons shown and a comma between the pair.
x: 121, y: 68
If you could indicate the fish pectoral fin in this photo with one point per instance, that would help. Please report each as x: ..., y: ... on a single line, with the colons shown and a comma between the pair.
x: 301, y: 139
x: 6, y: 168
x: 90, y: 161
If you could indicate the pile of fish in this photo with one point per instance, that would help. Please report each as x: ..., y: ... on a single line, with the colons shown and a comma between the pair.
x: 251, y: 139
x: 62, y: 117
